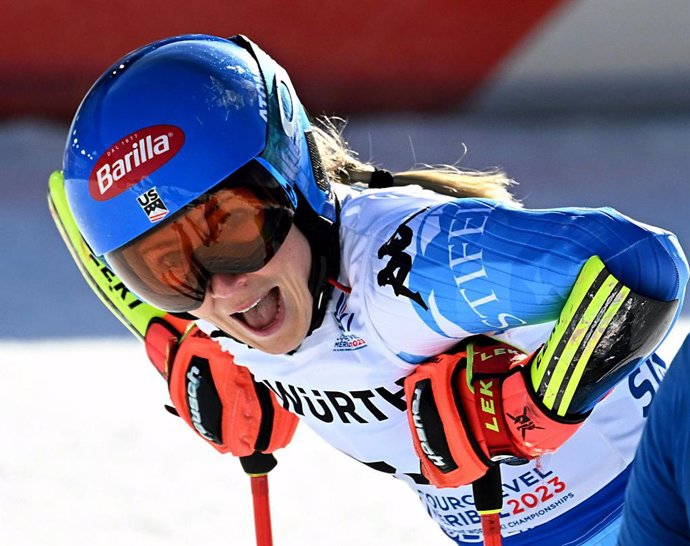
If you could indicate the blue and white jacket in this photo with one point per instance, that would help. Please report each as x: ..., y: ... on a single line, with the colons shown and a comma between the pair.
x: 424, y: 271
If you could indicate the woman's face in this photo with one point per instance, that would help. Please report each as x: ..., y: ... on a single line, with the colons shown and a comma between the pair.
x: 269, y: 309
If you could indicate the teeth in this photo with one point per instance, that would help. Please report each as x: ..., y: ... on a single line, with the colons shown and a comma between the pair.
x: 250, y: 307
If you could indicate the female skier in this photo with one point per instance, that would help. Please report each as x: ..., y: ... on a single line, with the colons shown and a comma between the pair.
x: 423, y: 323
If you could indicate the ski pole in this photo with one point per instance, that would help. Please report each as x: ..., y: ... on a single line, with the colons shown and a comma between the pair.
x: 488, y: 499
x: 257, y: 466
x: 262, y: 510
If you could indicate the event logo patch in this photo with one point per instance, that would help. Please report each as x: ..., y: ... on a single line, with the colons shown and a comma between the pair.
x: 348, y: 340
x: 133, y: 158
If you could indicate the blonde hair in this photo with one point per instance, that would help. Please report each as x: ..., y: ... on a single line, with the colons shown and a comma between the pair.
x: 343, y: 166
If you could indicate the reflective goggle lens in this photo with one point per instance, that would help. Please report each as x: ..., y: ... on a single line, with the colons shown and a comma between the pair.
x: 233, y: 229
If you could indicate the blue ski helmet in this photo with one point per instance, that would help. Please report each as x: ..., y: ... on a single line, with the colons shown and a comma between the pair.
x: 171, y: 120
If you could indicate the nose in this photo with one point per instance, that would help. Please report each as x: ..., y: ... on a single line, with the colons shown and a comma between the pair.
x: 223, y: 285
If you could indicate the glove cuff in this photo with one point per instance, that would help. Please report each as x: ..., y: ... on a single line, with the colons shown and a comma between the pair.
x: 534, y: 429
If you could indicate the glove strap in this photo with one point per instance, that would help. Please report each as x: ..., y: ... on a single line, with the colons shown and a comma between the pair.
x: 488, y: 367
x: 511, y: 419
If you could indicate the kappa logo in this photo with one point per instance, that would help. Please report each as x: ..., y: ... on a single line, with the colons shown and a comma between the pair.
x: 400, y: 263
x: 132, y: 159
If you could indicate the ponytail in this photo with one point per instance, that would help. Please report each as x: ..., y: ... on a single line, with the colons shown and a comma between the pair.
x: 344, y: 167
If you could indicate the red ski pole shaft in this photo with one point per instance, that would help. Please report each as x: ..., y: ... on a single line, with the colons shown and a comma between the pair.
x: 257, y: 466
x: 491, y: 529
x: 262, y: 510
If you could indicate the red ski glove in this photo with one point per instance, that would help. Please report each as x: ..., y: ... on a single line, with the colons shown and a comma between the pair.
x: 473, y: 407
x: 217, y: 398
x: 488, y: 400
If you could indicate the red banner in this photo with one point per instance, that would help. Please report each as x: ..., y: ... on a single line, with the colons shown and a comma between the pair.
x: 343, y: 56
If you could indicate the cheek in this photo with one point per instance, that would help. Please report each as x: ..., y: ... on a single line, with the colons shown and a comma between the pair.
x: 211, y: 310
x: 204, y: 312
x: 295, y: 271
x: 304, y: 275
x: 295, y: 263
x: 305, y: 265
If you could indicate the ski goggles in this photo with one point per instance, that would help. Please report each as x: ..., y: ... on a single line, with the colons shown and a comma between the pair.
x: 235, y: 228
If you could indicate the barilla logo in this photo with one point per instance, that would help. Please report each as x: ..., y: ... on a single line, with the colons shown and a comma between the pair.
x: 133, y: 158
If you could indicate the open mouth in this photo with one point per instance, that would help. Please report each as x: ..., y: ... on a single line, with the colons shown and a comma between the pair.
x: 264, y: 313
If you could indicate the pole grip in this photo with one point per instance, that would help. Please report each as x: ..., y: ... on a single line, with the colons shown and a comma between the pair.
x: 488, y: 499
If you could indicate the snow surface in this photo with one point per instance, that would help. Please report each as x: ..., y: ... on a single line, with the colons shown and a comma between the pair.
x: 90, y: 458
